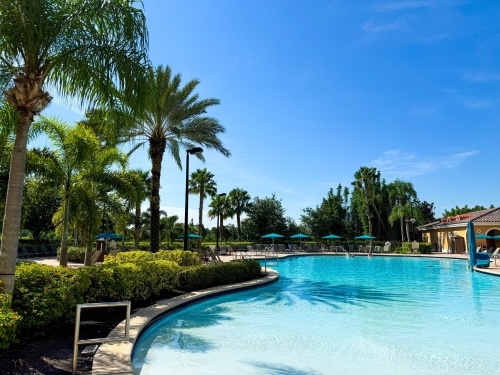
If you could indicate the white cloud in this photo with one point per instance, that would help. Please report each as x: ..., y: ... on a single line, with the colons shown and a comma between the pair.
x: 391, y: 6
x: 477, y: 103
x: 399, y: 164
x: 371, y: 27
x: 481, y: 77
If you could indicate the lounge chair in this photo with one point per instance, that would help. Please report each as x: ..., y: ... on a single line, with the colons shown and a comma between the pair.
x: 415, y: 247
x: 213, y: 255
x: 223, y: 250
x: 496, y: 254
x: 482, y: 259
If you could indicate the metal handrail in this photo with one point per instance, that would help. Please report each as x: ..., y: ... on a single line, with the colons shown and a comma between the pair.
x: 77, y: 340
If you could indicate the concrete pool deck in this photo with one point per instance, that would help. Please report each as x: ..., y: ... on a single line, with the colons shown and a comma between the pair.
x: 115, y: 358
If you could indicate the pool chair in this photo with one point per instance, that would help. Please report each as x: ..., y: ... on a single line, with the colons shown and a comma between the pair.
x: 496, y: 254
x: 482, y: 259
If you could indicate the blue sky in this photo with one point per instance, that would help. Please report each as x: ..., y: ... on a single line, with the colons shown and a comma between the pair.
x: 312, y: 90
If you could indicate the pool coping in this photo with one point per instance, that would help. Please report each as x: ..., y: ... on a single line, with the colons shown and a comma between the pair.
x: 115, y: 357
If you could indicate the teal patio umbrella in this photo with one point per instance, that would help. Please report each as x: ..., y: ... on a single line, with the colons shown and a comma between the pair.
x: 109, y: 236
x: 300, y: 236
x: 190, y: 235
x: 331, y: 237
x: 471, y: 243
x: 366, y: 237
x: 272, y: 236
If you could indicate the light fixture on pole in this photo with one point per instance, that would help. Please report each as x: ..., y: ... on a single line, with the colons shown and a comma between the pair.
x: 191, y: 151
x: 218, y: 216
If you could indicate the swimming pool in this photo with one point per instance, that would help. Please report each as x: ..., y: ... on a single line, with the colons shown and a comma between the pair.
x: 337, y: 315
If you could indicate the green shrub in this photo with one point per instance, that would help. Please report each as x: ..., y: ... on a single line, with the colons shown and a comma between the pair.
x: 75, y: 254
x: 202, y: 277
x: 46, y: 296
x: 130, y: 257
x: 140, y: 281
x: 9, y: 321
x: 181, y: 257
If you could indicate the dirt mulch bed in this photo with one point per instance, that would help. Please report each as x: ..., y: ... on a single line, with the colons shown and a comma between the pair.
x: 54, y: 355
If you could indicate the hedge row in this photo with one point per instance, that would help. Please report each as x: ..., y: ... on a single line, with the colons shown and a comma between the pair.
x: 45, y: 296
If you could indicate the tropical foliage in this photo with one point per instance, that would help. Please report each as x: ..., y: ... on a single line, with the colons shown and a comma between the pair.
x: 171, y: 119
x: 80, y: 49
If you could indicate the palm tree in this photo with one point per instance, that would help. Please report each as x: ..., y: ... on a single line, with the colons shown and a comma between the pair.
x: 135, y: 189
x: 78, y: 48
x: 401, y: 193
x: 170, y: 120
x: 239, y: 203
x: 95, y: 179
x: 219, y: 205
x: 202, y: 183
x: 71, y: 147
x: 168, y: 224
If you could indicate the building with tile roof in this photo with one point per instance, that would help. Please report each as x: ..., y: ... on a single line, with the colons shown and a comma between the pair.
x: 449, y: 234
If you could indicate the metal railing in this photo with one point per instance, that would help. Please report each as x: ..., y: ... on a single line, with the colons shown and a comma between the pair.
x: 77, y: 340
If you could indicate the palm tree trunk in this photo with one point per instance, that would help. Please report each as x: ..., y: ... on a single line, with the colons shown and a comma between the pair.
x: 402, y: 229
x: 64, y: 240
x: 156, y: 150
x: 13, y: 204
x: 238, y: 222
x: 137, y: 225
x: 200, y: 218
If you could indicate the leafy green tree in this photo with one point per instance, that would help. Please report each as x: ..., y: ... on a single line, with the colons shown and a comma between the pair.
x: 41, y: 200
x: 365, y: 185
x: 463, y: 210
x: 202, y: 183
x: 428, y: 211
x: 172, y: 119
x: 328, y: 217
x: 239, y: 203
x: 265, y: 215
x: 77, y: 48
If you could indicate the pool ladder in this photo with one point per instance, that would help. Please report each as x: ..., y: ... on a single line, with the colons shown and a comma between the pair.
x: 347, y: 253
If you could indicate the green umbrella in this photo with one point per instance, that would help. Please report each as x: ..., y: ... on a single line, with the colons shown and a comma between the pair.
x: 365, y: 237
x: 190, y: 235
x: 300, y: 236
x: 272, y: 236
x: 332, y: 237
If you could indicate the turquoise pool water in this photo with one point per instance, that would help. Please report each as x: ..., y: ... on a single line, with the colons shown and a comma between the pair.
x: 338, y: 315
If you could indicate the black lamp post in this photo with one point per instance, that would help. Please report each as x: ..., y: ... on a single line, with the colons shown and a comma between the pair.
x: 218, y: 216
x: 191, y: 151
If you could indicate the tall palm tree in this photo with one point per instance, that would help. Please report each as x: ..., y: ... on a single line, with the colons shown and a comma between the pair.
x: 239, y: 203
x: 71, y: 147
x: 168, y: 224
x: 202, y: 183
x: 172, y: 119
x: 95, y: 179
x: 219, y: 205
x: 135, y: 189
x: 78, y: 49
x: 400, y: 194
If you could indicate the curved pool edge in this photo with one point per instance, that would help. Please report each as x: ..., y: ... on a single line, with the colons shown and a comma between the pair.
x: 116, y: 357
